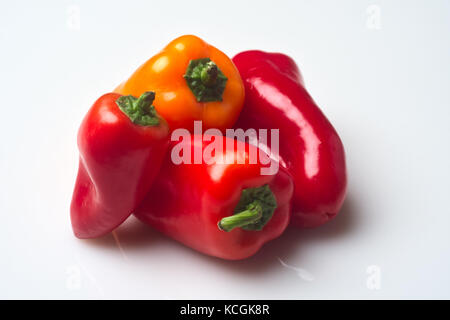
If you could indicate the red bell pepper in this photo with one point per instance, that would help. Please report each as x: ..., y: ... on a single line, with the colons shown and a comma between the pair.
x: 225, y: 209
x: 309, y: 146
x: 122, y: 142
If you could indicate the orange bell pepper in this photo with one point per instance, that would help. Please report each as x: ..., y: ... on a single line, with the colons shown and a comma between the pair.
x: 193, y: 81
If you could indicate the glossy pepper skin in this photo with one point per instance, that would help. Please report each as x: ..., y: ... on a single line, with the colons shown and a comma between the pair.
x: 180, y: 69
x: 310, y: 148
x: 120, y: 155
x: 188, y: 201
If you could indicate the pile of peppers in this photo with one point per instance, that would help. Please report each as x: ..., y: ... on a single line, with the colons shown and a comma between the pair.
x: 227, y: 209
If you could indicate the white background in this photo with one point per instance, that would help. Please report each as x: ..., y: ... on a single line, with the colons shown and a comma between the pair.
x: 379, y: 70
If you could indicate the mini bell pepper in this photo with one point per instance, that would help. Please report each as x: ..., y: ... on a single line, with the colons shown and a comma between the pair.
x: 193, y: 81
x: 122, y: 142
x: 226, y: 209
x: 309, y: 147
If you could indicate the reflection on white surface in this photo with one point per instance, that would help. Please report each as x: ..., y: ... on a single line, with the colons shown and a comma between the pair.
x: 302, y: 273
x: 119, y: 245
x: 89, y: 275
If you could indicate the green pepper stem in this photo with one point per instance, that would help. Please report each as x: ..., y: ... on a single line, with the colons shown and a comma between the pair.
x: 209, y: 74
x: 251, y: 215
x: 145, y: 101
x: 206, y: 81
x: 139, y: 110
